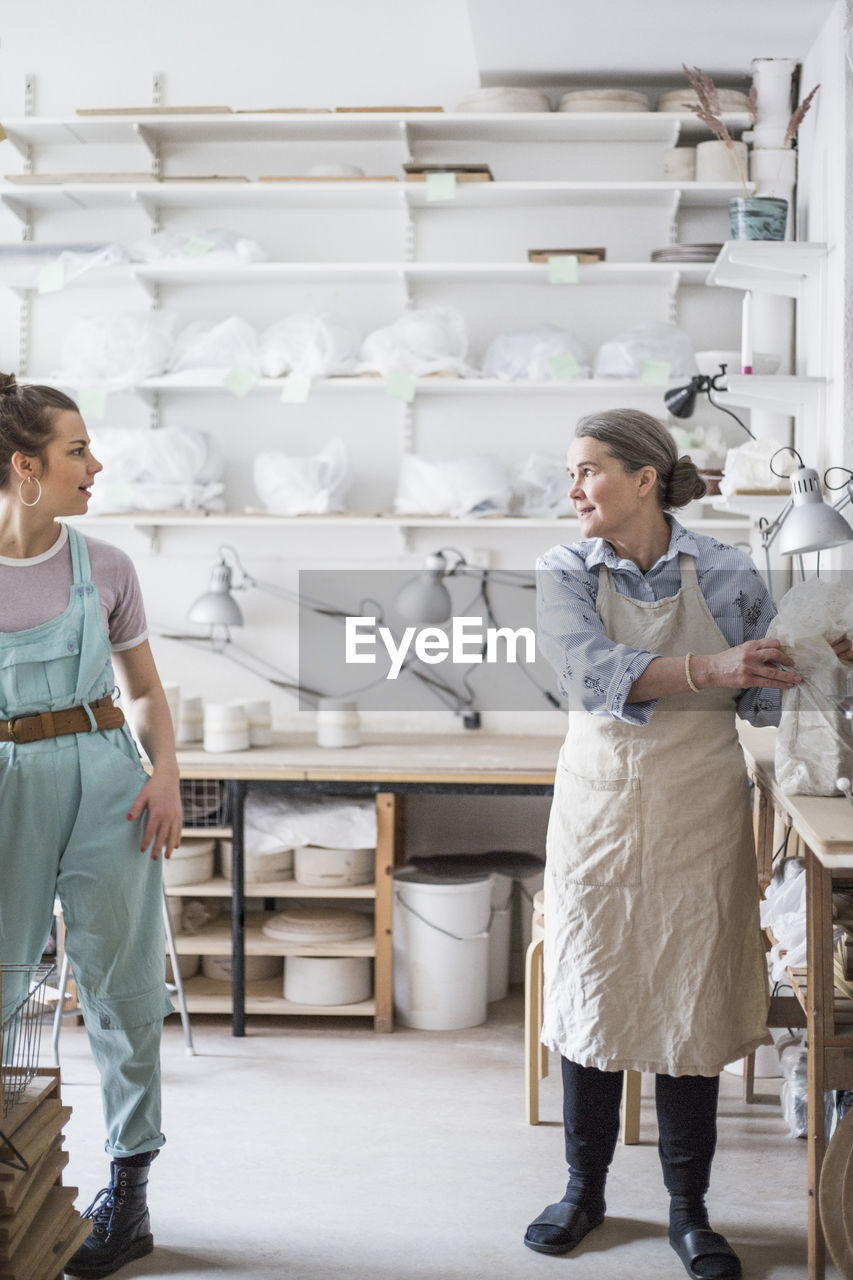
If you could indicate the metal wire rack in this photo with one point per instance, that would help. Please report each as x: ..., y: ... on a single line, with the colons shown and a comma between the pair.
x: 205, y: 802
x: 22, y: 992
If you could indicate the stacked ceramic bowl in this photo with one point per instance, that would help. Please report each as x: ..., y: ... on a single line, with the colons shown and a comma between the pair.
x: 603, y: 100
x: 679, y: 100
x: 504, y: 98
x: 687, y: 253
x: 323, y: 980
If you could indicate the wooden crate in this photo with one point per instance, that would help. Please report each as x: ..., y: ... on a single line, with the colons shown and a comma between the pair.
x: 39, y: 1227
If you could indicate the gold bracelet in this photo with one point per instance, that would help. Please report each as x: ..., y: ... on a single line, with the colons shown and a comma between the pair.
x: 687, y: 658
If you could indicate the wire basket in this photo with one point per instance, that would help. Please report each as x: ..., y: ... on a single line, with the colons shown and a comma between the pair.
x: 22, y: 992
x: 205, y: 802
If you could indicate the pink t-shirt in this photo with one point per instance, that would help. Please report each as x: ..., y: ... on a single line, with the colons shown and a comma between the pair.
x: 36, y: 590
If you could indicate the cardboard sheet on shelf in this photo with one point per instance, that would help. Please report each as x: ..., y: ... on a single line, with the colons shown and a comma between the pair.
x: 155, y: 111
x: 582, y: 255
x: 308, y: 177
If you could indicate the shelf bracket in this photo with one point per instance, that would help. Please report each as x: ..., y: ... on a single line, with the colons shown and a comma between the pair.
x: 672, y: 297
x: 149, y: 140
x: 149, y: 207
x: 24, y: 317
x: 150, y: 286
x: 675, y: 205
x: 18, y: 210
x: 151, y: 535
x: 408, y: 427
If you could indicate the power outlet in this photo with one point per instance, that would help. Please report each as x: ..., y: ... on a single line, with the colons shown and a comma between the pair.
x: 479, y: 558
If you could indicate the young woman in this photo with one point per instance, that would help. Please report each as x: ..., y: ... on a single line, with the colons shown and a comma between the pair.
x: 653, y: 956
x: 82, y: 819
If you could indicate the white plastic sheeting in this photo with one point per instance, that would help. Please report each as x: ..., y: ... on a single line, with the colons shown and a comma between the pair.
x: 420, y: 342
x: 146, y: 470
x: 475, y: 486
x: 295, y: 486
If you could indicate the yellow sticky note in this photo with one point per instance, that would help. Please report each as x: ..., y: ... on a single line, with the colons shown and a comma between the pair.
x: 296, y: 389
x: 564, y: 365
x: 655, y: 373
x: 441, y: 186
x: 563, y: 269
x: 92, y: 402
x: 400, y: 386
x: 51, y: 277
x: 239, y: 381
x: 196, y: 246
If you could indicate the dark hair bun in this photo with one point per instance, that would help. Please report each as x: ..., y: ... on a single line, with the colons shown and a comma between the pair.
x: 8, y: 382
x: 684, y: 483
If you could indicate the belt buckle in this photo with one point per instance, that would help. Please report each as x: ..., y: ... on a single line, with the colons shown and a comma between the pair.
x: 10, y: 729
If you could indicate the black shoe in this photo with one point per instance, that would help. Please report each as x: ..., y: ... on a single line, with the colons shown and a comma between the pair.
x: 564, y: 1226
x: 121, y: 1229
x: 706, y: 1254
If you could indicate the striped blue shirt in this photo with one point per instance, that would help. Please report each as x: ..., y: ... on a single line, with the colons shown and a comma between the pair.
x: 593, y: 671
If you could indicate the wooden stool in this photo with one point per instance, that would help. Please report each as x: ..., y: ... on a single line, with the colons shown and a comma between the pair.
x: 535, y: 1052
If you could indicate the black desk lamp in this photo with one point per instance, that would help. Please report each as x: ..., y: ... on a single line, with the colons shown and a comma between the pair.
x: 681, y: 401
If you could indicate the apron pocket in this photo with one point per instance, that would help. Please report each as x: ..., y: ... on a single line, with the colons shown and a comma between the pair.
x: 594, y: 831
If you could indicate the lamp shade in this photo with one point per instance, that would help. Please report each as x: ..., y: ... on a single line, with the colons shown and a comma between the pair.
x: 425, y: 599
x: 811, y: 525
x: 217, y: 607
x: 681, y: 401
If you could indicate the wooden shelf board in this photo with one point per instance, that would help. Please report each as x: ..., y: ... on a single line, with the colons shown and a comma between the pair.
x: 219, y: 887
x: 215, y: 940
x: 204, y: 995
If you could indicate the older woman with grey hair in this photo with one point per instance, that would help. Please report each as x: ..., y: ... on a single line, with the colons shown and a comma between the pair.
x: 653, y: 955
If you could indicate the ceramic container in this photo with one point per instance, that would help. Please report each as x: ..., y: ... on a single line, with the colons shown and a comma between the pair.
x: 258, y: 867
x: 717, y: 162
x: 509, y: 98
x: 333, y: 868
x: 679, y: 163
x: 257, y: 968
x: 328, y: 980
x: 772, y: 79
x: 337, y: 723
x: 301, y: 923
x: 758, y: 218
x: 190, y: 721
x: 191, y: 863
x: 603, y: 100
x: 259, y: 715
x: 226, y: 726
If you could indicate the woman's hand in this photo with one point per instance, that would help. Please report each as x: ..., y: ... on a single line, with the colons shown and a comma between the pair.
x: 843, y: 648
x: 164, y: 819
x: 763, y: 663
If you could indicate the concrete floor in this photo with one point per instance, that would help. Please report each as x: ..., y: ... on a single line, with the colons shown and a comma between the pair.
x: 315, y: 1149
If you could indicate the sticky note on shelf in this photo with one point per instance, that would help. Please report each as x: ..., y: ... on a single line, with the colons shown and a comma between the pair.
x: 51, y: 277
x: 92, y: 402
x: 239, y: 381
x: 563, y: 365
x: 197, y: 246
x: 441, y: 186
x: 563, y: 268
x: 655, y: 373
x: 400, y: 386
x: 296, y: 389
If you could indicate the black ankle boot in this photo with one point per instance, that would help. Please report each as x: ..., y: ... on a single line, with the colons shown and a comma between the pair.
x: 121, y: 1230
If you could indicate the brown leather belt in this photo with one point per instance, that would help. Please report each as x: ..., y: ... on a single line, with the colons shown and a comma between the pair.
x: 50, y: 724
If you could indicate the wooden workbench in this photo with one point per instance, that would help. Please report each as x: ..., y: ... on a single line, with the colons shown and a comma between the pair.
x: 823, y: 827
x: 388, y: 767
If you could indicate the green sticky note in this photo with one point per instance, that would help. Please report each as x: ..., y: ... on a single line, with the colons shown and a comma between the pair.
x: 655, y: 373
x: 239, y: 381
x: 400, y: 386
x: 441, y: 186
x: 92, y: 402
x: 563, y: 269
x: 51, y: 277
x: 564, y: 365
x: 196, y: 246
x: 296, y: 389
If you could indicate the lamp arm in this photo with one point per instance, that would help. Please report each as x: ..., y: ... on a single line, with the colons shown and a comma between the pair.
x: 723, y: 409
x: 769, y: 533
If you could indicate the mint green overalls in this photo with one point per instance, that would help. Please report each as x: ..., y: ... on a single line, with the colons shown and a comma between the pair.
x: 63, y: 809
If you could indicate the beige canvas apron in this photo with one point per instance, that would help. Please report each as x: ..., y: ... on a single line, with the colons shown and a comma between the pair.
x: 653, y: 955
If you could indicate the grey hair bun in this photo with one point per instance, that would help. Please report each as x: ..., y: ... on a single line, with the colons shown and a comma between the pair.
x: 684, y: 484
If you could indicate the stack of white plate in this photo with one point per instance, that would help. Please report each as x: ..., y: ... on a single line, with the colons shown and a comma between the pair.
x: 675, y: 100
x: 508, y: 98
x: 603, y: 100
x: 687, y: 253
x: 303, y: 923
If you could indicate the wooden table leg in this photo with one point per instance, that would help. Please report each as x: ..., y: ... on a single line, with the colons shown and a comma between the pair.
x: 820, y: 1023
x: 386, y: 827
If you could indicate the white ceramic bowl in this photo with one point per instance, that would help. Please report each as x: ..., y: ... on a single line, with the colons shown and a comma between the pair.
x: 504, y: 98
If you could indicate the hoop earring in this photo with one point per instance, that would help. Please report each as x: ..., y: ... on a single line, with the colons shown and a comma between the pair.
x: 26, y: 480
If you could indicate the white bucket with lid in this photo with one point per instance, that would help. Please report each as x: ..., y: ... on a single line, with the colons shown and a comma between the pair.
x: 441, y: 949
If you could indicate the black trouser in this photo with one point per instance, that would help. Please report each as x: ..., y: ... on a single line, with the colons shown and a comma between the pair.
x: 687, y: 1125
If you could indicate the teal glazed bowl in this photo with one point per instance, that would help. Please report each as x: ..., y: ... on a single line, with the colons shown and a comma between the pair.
x: 758, y: 218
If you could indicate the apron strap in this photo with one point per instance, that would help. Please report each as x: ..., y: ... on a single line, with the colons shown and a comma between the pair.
x: 687, y: 569
x: 79, y: 556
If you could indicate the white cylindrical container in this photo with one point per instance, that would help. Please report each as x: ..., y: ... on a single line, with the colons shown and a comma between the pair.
x: 277, y: 865
x: 499, y: 936
x: 774, y: 172
x: 333, y: 868
x: 259, y: 715
x: 187, y: 965
x: 679, y: 164
x: 328, y: 980
x: 717, y: 162
x: 772, y: 79
x: 337, y: 723
x: 190, y: 721
x: 226, y: 726
x: 191, y: 863
x: 256, y: 968
x: 173, y: 699
x: 441, y: 950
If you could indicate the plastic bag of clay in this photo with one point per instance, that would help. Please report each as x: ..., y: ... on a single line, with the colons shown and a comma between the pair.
x: 625, y: 355
x: 814, y: 744
x: 431, y: 340
x: 540, y: 487
x: 747, y: 468
x: 285, y: 822
x: 475, y: 486
x: 544, y: 353
x: 295, y: 486
x: 216, y: 245
x: 117, y: 351
x: 217, y: 348
x: 167, y: 469
x: 783, y: 910
x: 311, y: 343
